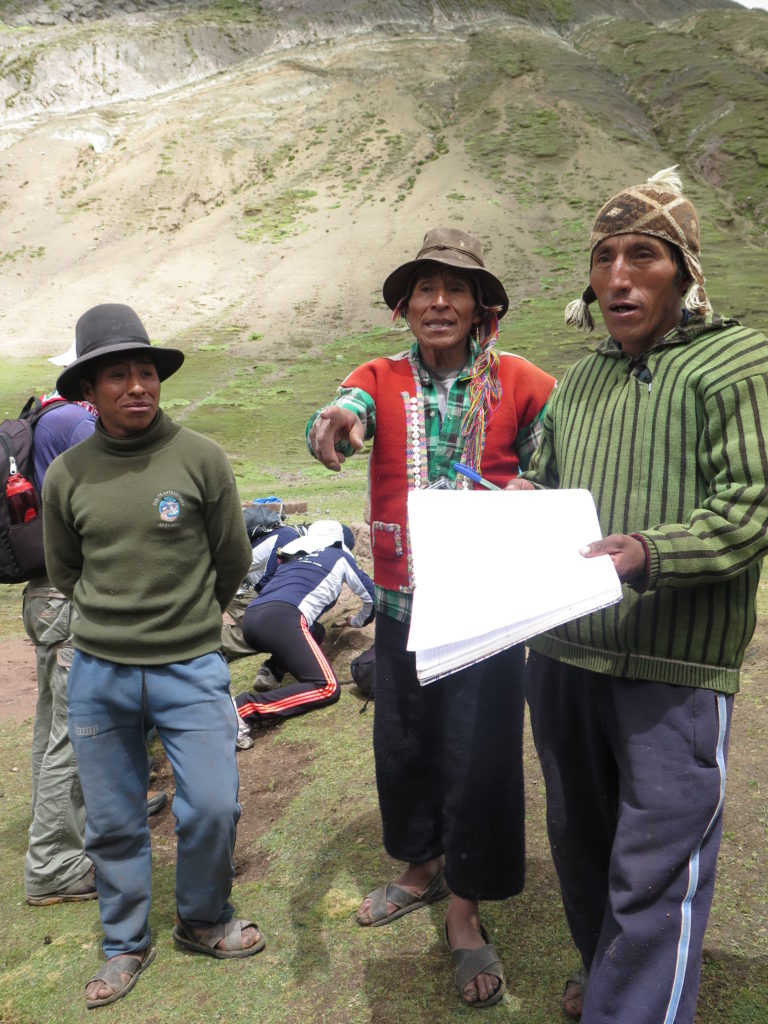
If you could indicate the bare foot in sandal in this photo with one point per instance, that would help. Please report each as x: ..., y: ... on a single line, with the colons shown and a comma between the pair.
x: 238, y: 937
x: 116, y: 977
x: 251, y: 936
x: 573, y: 993
x: 463, y: 931
x: 416, y: 881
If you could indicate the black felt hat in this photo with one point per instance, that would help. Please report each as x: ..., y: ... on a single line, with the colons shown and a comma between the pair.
x: 108, y: 329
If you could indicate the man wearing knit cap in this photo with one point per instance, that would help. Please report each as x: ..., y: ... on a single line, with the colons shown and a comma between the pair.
x: 143, y: 532
x: 665, y: 423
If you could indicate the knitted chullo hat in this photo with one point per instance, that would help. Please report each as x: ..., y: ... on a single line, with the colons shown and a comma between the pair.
x: 656, y: 208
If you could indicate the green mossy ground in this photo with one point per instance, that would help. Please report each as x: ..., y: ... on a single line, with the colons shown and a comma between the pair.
x: 547, y: 127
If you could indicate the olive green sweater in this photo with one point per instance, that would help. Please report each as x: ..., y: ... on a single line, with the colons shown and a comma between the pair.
x: 677, y: 454
x: 147, y: 537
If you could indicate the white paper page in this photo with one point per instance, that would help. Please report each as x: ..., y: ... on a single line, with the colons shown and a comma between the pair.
x: 499, y: 560
x: 435, y: 662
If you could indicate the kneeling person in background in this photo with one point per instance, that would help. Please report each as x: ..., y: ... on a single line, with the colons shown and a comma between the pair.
x: 302, y: 581
x: 233, y: 644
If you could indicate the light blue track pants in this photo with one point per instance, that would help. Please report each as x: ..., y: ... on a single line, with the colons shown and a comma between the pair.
x: 111, y: 707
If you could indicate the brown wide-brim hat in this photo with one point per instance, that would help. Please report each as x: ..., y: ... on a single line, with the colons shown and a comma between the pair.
x: 106, y: 330
x: 453, y: 248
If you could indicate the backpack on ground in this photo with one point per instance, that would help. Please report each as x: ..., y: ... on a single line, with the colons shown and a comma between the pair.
x: 363, y: 671
x: 261, y: 519
x: 21, y: 521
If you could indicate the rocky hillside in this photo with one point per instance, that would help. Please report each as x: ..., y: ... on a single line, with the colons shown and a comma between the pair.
x: 252, y: 171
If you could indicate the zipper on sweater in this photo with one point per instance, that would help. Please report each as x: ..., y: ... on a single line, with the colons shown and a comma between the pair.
x: 638, y: 399
x: 641, y: 371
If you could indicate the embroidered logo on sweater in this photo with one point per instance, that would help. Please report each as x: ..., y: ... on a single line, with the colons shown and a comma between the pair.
x: 169, y: 505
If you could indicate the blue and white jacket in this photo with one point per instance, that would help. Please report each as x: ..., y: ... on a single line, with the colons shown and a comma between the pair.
x: 313, y: 582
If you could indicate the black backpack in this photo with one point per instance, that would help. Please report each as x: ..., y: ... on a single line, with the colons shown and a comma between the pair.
x: 21, y: 521
x: 261, y: 520
x: 363, y: 672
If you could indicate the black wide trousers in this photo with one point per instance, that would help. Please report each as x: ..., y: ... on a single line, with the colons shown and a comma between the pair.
x: 449, y: 766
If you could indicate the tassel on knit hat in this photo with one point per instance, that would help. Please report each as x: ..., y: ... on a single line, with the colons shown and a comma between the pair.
x: 656, y: 208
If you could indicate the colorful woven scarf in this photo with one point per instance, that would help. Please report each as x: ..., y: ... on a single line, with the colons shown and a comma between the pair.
x: 484, y: 389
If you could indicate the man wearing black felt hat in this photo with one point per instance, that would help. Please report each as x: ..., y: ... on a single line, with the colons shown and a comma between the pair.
x: 143, y: 531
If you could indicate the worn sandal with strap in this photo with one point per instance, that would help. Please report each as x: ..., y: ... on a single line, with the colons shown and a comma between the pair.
x: 404, y: 901
x: 208, y: 941
x: 574, y: 990
x: 113, y: 973
x: 471, y: 962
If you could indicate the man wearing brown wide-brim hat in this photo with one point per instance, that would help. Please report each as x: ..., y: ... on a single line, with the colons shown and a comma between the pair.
x: 144, y: 532
x: 454, y: 819
x: 450, y: 247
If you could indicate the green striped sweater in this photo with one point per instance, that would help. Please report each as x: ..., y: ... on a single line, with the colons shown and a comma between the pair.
x: 677, y: 454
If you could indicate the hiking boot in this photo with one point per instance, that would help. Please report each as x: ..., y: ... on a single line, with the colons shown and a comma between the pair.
x: 244, y: 739
x: 265, y: 680
x: 82, y: 889
x: 156, y: 801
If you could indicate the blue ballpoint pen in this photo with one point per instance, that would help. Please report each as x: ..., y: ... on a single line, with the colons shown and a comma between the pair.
x: 474, y: 475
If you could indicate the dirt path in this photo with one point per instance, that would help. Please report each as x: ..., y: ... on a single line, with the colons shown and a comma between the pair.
x: 270, y: 774
x: 18, y: 683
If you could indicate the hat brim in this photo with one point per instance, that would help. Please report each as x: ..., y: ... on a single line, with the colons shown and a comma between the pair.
x: 65, y: 358
x: 166, y: 360
x: 492, y: 290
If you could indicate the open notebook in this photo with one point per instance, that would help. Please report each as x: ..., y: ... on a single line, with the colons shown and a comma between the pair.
x: 493, y: 568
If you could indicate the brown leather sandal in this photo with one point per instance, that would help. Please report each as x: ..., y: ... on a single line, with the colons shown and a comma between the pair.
x: 573, y: 994
x: 120, y: 973
x: 404, y: 901
x: 471, y: 962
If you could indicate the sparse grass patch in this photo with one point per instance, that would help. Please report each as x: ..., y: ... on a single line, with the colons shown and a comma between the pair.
x: 23, y: 252
x: 538, y: 133
x: 10, y: 612
x: 279, y: 217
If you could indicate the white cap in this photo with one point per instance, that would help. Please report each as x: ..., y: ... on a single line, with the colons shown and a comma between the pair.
x: 319, y: 535
x: 66, y: 357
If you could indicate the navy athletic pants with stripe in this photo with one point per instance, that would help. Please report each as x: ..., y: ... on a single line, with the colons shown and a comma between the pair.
x: 635, y: 779
x: 281, y: 629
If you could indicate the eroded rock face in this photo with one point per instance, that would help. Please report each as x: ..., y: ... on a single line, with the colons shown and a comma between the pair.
x: 255, y: 168
x: 103, y: 51
x: 53, y: 12
x: 21, y: 12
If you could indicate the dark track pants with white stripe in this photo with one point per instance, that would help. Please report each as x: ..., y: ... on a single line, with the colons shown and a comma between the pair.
x: 635, y: 779
x: 279, y: 627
